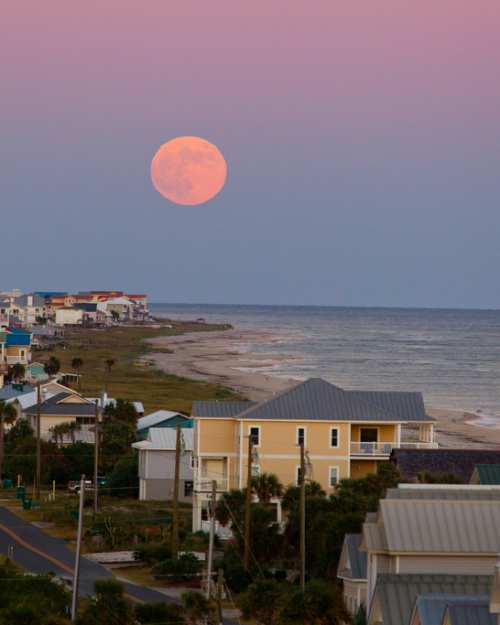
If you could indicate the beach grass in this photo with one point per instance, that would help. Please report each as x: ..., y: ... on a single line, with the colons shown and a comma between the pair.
x: 133, y: 376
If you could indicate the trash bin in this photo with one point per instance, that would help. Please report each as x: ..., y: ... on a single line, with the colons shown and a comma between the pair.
x: 20, y: 492
x: 27, y: 504
x: 7, y: 483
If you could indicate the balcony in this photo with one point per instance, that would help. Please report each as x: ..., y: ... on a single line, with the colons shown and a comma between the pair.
x: 204, y: 484
x: 383, y: 450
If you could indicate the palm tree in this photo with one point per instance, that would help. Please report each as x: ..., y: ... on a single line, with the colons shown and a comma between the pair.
x: 267, y: 486
x: 52, y: 366
x: 8, y: 414
x: 59, y: 431
x: 110, y: 362
x: 18, y: 371
x: 72, y: 429
x: 77, y: 364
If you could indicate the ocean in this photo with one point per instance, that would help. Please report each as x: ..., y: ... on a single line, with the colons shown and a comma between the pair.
x: 451, y: 356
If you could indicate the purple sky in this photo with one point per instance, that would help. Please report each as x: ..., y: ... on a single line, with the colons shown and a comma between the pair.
x: 362, y: 140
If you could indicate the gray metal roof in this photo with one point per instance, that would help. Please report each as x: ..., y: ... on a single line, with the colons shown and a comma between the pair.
x: 52, y: 406
x: 431, y: 607
x: 396, y: 594
x: 165, y: 439
x: 470, y: 614
x: 223, y: 408
x: 317, y: 399
x: 444, y: 492
x: 9, y: 392
x: 432, y: 526
x: 357, y: 558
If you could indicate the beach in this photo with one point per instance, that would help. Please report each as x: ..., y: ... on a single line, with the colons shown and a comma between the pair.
x: 229, y: 358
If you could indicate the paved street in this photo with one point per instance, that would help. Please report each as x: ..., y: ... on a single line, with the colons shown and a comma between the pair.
x: 38, y: 552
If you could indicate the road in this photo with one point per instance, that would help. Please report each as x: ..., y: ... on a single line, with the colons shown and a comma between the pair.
x: 38, y: 552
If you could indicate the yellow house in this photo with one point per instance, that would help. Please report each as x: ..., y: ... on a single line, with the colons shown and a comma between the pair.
x: 64, y: 407
x: 345, y: 434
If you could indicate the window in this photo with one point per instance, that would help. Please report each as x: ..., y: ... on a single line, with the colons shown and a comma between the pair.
x: 334, y: 437
x: 188, y: 488
x: 333, y: 477
x: 255, y: 435
x: 299, y: 476
x: 301, y: 436
x: 204, y: 514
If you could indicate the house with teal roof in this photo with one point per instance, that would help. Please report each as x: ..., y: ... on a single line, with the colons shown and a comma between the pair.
x: 161, y: 419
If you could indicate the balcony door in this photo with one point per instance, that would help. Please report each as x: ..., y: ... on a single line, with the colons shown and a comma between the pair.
x: 368, y: 435
x: 368, y: 438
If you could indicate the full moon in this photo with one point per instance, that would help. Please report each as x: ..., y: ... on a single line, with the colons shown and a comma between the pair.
x: 188, y: 170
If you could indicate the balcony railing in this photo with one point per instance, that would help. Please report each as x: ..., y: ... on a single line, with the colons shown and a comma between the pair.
x: 204, y: 484
x: 384, y: 449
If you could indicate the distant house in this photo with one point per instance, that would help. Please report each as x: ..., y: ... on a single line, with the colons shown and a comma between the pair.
x: 395, y: 595
x: 105, y: 401
x: 458, y: 462
x: 67, y: 316
x: 157, y: 464
x: 65, y: 407
x: 27, y: 308
x: 92, y: 316
x: 15, y: 346
x: 161, y: 419
x: 352, y: 570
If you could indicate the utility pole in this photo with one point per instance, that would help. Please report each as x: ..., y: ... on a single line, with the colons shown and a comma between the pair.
x: 38, y: 477
x: 213, y: 501
x: 302, y: 517
x: 96, y: 457
x: 175, y: 507
x: 248, y: 505
x: 76, y: 575
x: 220, y: 592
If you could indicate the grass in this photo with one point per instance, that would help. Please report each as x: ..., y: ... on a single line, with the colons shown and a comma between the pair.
x: 132, y: 377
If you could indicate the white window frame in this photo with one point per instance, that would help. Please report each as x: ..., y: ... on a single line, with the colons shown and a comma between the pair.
x: 338, y: 438
x: 300, y: 427
x: 337, y: 471
x: 255, y: 427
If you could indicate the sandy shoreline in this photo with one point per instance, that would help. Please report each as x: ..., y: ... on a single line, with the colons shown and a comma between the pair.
x: 226, y: 357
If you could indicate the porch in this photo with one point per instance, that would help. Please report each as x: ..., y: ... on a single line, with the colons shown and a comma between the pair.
x: 369, y: 445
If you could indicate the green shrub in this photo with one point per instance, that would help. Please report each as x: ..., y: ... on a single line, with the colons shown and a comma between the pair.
x: 151, y: 553
x: 186, y: 567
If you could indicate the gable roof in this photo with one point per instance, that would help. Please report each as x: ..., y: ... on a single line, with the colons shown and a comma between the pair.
x: 353, y: 557
x: 486, y: 474
x: 59, y: 405
x: 165, y: 439
x: 444, y: 491
x: 222, y: 408
x: 17, y: 337
x: 317, y: 399
x: 395, y: 594
x: 459, y: 462
x: 441, y: 525
x: 431, y: 607
x: 159, y: 416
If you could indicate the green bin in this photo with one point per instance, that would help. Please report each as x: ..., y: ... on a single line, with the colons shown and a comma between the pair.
x: 20, y: 492
x: 26, y: 504
x: 7, y: 483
